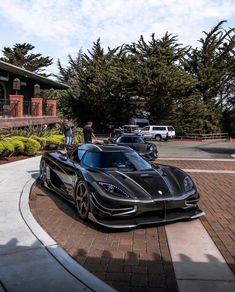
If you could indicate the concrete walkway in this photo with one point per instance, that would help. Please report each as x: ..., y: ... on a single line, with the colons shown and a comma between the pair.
x: 198, y: 264
x: 30, y: 260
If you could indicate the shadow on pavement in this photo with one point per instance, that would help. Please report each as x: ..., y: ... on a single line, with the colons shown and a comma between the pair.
x: 219, y: 150
x: 130, y: 272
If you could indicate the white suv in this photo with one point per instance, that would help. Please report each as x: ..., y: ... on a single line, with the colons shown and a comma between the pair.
x: 158, y: 133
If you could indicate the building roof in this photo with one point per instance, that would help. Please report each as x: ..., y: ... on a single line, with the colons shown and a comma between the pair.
x: 43, y: 81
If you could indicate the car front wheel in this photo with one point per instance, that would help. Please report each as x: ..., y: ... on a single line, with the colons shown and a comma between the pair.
x: 43, y: 174
x: 82, y: 199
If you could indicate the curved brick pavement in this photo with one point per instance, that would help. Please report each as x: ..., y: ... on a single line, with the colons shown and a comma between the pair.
x: 128, y: 261
x: 123, y: 259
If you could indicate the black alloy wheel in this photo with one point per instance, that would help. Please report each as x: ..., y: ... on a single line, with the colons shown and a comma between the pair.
x: 43, y: 174
x: 82, y: 199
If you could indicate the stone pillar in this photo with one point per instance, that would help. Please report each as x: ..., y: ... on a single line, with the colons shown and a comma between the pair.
x: 16, y: 102
x: 51, y: 106
x: 36, y: 106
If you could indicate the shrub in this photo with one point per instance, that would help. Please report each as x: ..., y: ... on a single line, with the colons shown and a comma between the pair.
x: 79, y: 136
x: 19, y: 145
x: 50, y: 142
x: 8, y: 146
x: 1, y: 148
x: 31, y: 146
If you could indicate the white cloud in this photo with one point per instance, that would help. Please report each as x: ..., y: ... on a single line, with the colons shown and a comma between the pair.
x: 71, y: 24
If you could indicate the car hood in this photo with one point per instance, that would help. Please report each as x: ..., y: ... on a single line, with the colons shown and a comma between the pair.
x: 141, y: 148
x: 160, y: 182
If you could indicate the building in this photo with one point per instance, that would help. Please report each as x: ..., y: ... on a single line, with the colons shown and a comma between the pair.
x: 20, y: 104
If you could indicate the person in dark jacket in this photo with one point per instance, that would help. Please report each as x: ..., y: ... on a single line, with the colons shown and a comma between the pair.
x: 88, y: 132
x: 68, y: 132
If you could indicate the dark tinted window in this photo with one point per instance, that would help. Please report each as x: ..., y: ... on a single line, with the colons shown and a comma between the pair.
x: 125, y: 139
x: 171, y: 129
x: 115, y: 160
x: 138, y: 140
x: 159, y: 128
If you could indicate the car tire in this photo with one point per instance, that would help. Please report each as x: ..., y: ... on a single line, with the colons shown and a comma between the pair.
x: 43, y: 174
x: 158, y: 138
x: 82, y: 199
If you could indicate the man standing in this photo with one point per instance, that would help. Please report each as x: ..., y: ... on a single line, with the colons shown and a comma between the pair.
x: 88, y: 133
x: 68, y: 132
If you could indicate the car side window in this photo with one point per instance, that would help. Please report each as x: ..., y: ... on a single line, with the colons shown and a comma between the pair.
x: 159, y: 128
x: 171, y: 129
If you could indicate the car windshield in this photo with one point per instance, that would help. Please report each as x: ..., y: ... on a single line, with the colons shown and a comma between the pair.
x: 130, y: 139
x: 116, y: 160
x: 138, y: 140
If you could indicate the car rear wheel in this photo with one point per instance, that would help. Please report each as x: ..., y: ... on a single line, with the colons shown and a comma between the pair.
x: 158, y: 138
x: 82, y: 199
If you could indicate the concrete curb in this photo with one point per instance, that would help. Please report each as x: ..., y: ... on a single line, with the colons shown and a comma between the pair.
x: 69, y: 264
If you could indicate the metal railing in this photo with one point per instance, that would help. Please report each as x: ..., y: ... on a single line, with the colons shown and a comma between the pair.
x: 26, y: 108
x: 47, y: 109
x: 34, y: 108
x: 8, y: 108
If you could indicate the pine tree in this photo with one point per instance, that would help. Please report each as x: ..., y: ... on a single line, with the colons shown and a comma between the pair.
x: 20, y: 55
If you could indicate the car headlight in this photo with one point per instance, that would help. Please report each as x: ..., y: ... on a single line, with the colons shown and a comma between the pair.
x: 114, y: 190
x: 188, y: 184
x: 152, y: 147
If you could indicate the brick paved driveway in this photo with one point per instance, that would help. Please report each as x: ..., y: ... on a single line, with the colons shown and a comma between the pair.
x: 128, y: 261
x: 140, y: 259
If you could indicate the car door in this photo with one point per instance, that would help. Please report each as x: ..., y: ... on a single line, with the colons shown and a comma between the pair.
x: 67, y: 170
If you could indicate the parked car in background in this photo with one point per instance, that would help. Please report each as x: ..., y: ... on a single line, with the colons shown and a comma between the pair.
x: 136, y: 142
x: 141, y: 123
x: 131, y: 128
x: 158, y: 133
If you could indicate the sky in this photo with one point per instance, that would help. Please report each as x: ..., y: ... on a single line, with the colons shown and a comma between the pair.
x: 60, y: 27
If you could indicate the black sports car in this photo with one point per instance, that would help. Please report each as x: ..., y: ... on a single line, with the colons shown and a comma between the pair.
x: 136, y: 142
x: 115, y: 187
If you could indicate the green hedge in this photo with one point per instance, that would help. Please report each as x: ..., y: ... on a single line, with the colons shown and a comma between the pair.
x: 18, y: 145
x: 1, y: 148
x: 30, y: 146
x: 52, y: 141
x: 49, y: 142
